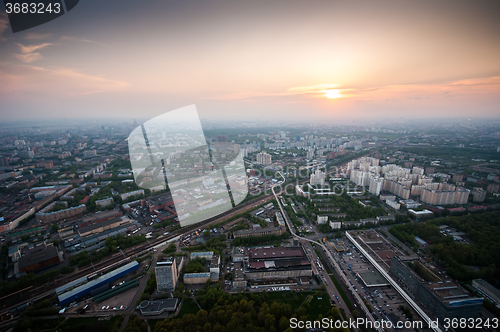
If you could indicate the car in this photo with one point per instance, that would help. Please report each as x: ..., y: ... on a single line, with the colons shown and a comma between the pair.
x: 103, y: 307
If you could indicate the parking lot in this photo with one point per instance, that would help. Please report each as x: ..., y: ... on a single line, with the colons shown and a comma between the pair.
x: 380, y: 297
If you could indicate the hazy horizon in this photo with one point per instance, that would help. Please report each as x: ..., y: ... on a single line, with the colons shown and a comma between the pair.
x: 260, y: 61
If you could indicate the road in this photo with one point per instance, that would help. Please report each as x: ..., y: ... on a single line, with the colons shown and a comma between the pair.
x: 361, y: 304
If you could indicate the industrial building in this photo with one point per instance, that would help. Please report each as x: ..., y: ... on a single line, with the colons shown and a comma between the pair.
x: 276, y: 263
x: 487, y: 290
x: 38, y: 258
x: 441, y: 298
x: 97, y: 228
x: 239, y: 278
x: 91, y: 285
x: 259, y: 232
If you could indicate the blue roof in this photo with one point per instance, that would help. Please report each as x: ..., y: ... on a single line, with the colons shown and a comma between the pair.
x: 69, y: 285
x: 197, y: 275
x: 202, y: 253
x: 96, y: 283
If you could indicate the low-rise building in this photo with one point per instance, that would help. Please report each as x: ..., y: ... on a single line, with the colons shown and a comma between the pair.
x: 38, y: 258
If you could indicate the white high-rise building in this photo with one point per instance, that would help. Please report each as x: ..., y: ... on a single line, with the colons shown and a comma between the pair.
x: 376, y: 185
x: 318, y: 178
x: 310, y: 154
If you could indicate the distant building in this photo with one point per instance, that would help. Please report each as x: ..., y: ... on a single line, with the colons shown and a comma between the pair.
x: 310, y: 154
x: 89, y: 153
x: 478, y: 195
x: 317, y: 178
x: 28, y: 154
x: 493, y: 188
x: 259, y: 232
x: 221, y: 139
x: 166, y: 275
x: 264, y: 158
x: 132, y: 194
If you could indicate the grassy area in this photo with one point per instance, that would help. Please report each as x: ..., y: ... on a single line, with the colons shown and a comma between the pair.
x: 188, y: 307
x: 297, y: 299
x: 341, y: 292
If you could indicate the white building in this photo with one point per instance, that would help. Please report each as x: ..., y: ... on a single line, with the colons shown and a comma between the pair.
x: 89, y: 153
x: 310, y: 154
x: 376, y: 185
x: 393, y: 204
x: 318, y: 178
x: 322, y: 220
x: 336, y: 224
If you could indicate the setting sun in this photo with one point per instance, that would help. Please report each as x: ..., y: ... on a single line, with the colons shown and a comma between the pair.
x: 332, y: 94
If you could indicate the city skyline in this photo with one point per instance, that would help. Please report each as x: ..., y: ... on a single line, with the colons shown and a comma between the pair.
x: 256, y: 61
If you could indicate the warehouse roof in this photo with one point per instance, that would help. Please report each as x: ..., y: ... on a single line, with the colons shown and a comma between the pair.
x: 108, y: 277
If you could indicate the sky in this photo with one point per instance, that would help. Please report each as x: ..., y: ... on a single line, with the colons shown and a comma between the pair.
x: 256, y: 60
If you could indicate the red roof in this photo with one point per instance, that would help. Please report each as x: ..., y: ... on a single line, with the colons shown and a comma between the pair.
x: 85, y: 200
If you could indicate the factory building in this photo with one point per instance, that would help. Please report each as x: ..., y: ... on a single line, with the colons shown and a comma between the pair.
x: 441, y: 298
x: 259, y: 232
x: 276, y: 263
x: 101, y: 281
x: 38, y: 258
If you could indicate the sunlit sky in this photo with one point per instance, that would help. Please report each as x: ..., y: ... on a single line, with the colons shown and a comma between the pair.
x: 256, y: 60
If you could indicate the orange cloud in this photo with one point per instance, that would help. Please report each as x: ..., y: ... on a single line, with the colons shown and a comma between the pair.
x: 60, y: 82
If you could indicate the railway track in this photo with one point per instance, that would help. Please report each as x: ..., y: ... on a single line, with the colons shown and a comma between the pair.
x: 15, y: 299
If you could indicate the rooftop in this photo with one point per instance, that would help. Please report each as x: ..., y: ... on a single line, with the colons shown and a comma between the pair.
x: 273, y: 253
x: 158, y: 307
x: 37, y: 255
